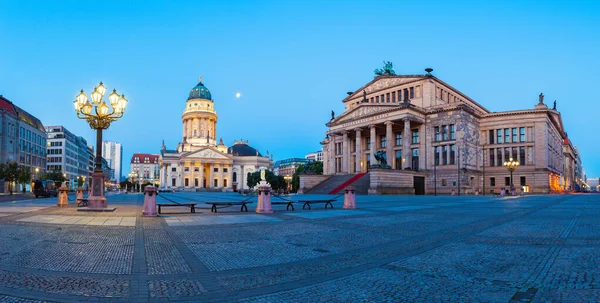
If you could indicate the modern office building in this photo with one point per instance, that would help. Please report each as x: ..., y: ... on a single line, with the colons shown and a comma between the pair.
x: 113, y: 153
x: 437, y: 139
x: 314, y: 156
x: 68, y: 153
x: 287, y: 167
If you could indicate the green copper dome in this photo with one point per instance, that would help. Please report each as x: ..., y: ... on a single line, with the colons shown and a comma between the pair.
x: 200, y: 92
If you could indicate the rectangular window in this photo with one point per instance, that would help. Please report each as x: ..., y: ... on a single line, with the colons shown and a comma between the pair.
x: 491, y: 136
x: 398, y: 139
x: 445, y: 155
x: 406, y: 94
x: 452, y: 153
x: 412, y: 92
x: 499, y: 136
x: 522, y: 155
x: 436, y: 131
x: 196, y: 169
x: 186, y: 169
x: 444, y: 132
x: 187, y: 181
x: 173, y: 182
x: 215, y: 169
x: 523, y: 181
x: 216, y: 183
x: 514, y: 135
x: 522, y: 134
x: 372, y: 100
x: 506, y: 135
x: 492, y: 158
x: 368, y: 160
x: 368, y: 143
x: 515, y: 154
x: 387, y: 97
x: 452, y: 132
x: 394, y: 96
x: 196, y: 182
x: 399, y: 159
x: 436, y: 156
x: 415, y: 136
x: 506, y: 154
x: 383, y: 140
x: 224, y: 182
x: 506, y: 181
x: 499, y: 158
x: 173, y: 169
x: 376, y: 99
x: 225, y: 169
x: 492, y: 181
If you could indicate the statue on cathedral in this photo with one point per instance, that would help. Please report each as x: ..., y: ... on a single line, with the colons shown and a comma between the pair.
x: 541, y: 98
x: 332, y: 115
x: 554, y: 107
x: 364, y: 100
x: 388, y: 69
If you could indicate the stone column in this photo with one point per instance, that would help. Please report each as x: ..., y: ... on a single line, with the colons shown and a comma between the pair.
x: 242, y: 181
x: 210, y: 182
x: 359, y: 150
x: 345, y: 149
x: 332, y: 154
x: 422, y: 148
x: 373, y: 140
x: 182, y: 174
x: 230, y: 176
x: 326, y: 170
x: 389, y: 149
x: 192, y: 183
x: 183, y: 133
x: 167, y: 175
x: 406, y: 139
x: 220, y: 174
x: 201, y: 180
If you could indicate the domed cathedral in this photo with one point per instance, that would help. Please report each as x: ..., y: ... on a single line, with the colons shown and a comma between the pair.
x: 199, y: 162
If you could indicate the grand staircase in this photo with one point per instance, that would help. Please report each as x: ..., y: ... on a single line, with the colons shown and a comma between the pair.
x: 337, y: 183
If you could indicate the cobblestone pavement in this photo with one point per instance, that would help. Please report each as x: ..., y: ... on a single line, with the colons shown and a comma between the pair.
x: 393, y: 249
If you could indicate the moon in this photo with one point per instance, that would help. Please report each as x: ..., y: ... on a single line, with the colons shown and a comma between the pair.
x: 237, y: 95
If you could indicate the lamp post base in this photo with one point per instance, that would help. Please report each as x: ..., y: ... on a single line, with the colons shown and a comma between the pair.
x: 97, y: 200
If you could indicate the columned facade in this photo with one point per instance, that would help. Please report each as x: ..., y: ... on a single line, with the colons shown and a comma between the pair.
x: 419, y: 122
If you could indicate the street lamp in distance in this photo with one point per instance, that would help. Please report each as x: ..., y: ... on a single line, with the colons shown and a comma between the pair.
x: 511, y: 165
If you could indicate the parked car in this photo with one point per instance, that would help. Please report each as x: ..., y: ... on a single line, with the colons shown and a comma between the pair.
x: 44, y: 188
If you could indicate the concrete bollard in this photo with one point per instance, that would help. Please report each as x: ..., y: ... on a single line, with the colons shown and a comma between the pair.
x: 349, y: 198
x: 264, y: 200
x: 78, y: 193
x: 150, y: 194
x: 63, y: 199
x: 502, y: 192
x: 453, y: 193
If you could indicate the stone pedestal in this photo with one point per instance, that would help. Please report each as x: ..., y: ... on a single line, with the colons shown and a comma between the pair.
x: 97, y: 199
x: 63, y: 199
x: 264, y: 198
x: 78, y: 193
x: 349, y: 198
x: 150, y: 194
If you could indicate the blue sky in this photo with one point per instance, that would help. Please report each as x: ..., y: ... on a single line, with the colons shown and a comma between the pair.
x: 293, y: 61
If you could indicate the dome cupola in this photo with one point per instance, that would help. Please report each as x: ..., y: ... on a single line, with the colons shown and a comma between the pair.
x: 200, y: 92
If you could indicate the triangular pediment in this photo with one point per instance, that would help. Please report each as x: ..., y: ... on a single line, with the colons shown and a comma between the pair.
x: 206, y: 153
x: 383, y: 82
x: 364, y: 110
x: 557, y: 120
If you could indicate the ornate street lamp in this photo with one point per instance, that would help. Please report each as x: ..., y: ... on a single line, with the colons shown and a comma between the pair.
x: 100, y: 118
x: 511, y: 165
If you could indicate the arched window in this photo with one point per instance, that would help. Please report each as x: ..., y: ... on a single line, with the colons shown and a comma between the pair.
x: 234, y: 176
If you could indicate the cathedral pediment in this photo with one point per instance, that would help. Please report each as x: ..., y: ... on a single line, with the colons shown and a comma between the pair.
x: 206, y: 153
x: 383, y: 82
x: 363, y: 111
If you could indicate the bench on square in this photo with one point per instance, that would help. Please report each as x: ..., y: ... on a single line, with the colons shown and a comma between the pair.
x: 82, y: 202
x: 214, y: 207
x: 288, y: 203
x: 192, y: 206
x: 309, y: 202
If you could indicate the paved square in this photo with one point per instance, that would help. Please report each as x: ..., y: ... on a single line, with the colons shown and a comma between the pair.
x: 392, y: 249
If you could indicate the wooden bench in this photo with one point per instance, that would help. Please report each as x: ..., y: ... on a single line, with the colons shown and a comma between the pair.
x: 192, y: 206
x: 214, y: 207
x: 82, y: 202
x: 288, y: 203
x: 309, y: 202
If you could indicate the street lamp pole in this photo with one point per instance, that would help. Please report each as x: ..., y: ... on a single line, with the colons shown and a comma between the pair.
x: 511, y: 165
x: 99, y: 120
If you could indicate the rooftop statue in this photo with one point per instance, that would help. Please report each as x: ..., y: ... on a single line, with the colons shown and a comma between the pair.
x: 541, y: 98
x: 388, y: 69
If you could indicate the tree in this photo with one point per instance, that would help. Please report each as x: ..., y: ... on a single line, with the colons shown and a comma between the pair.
x: 310, y: 168
x: 56, y: 175
x: 9, y: 172
x: 79, y: 181
x: 277, y: 182
x: 23, y: 176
